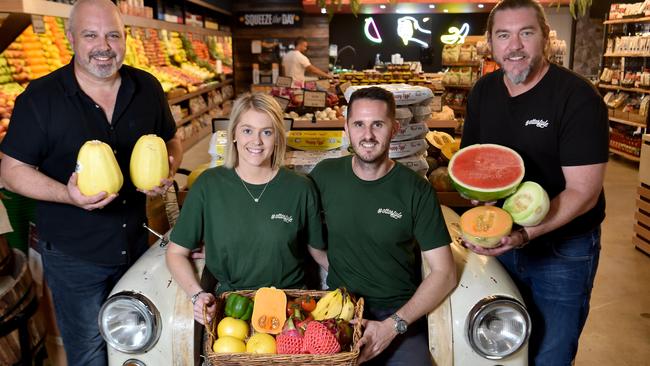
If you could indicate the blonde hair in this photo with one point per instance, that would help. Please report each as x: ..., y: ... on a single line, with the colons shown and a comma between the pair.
x: 262, y: 103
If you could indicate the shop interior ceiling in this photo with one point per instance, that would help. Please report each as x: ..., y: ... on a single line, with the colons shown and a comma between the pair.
x: 415, y: 6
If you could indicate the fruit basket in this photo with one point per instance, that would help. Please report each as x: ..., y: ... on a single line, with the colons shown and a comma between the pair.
x: 251, y: 359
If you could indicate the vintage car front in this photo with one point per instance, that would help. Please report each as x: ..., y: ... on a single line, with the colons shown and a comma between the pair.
x: 148, y: 320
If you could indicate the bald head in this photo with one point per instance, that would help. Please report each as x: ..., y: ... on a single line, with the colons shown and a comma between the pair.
x: 82, y: 7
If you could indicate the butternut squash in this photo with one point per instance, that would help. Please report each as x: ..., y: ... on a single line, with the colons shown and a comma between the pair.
x: 97, y: 170
x: 149, y: 162
x: 269, y: 311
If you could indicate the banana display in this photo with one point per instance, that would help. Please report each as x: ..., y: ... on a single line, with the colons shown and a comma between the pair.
x: 335, y: 304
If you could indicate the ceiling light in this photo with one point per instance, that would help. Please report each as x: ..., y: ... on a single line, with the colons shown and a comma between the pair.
x: 382, y: 6
x: 323, y: 11
x: 446, y: 10
x: 481, y: 6
x: 432, y: 6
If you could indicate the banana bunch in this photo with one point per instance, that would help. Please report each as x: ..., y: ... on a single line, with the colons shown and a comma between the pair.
x: 335, y: 304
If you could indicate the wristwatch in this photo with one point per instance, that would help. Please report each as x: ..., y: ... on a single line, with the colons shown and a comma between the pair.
x: 196, y: 296
x: 400, y: 324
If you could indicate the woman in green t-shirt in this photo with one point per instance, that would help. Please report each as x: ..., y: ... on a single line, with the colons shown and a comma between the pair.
x: 257, y: 219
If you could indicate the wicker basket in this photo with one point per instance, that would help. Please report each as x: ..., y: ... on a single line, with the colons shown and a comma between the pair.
x: 249, y: 359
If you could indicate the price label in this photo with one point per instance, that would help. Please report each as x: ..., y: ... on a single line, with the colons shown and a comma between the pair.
x: 323, y: 84
x: 345, y: 86
x: 38, y: 24
x: 283, y: 102
x: 315, y: 99
x: 284, y: 81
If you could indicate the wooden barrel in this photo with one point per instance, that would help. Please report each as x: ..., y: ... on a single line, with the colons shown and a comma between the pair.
x: 18, y: 305
x: 6, y: 256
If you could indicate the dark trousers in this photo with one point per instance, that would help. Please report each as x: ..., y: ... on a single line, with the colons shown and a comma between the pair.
x: 408, y: 349
x: 555, y: 278
x: 79, y: 289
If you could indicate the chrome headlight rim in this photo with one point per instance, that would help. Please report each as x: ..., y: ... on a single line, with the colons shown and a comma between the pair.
x: 478, y: 309
x: 145, y: 304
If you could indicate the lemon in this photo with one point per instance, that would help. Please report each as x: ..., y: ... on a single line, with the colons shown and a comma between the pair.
x: 228, y: 345
x: 232, y: 327
x: 261, y: 343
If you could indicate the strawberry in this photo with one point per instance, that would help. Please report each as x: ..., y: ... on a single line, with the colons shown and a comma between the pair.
x: 290, y: 340
x: 319, y: 340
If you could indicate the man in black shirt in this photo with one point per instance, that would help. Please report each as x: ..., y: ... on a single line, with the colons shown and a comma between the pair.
x: 558, y: 123
x: 87, y: 242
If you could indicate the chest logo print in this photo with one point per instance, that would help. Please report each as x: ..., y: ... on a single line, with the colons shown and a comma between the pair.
x: 540, y: 123
x: 387, y: 211
x: 279, y: 216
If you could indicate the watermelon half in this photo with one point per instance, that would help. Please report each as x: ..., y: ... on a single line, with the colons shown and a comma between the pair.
x: 486, y: 172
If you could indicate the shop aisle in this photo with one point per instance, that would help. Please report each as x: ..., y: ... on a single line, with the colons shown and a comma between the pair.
x: 617, y: 332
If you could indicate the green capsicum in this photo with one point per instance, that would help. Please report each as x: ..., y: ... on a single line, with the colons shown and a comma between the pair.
x: 238, y: 307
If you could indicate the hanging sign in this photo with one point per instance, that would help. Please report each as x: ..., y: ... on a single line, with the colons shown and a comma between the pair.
x: 315, y: 99
x: 38, y: 24
x: 284, y: 81
x: 283, y: 102
x: 266, y: 19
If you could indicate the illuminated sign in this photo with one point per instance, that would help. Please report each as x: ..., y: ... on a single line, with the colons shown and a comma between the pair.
x: 456, y: 36
x: 406, y: 27
x: 376, y: 37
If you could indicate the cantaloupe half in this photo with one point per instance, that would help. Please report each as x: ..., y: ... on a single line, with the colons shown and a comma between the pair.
x: 528, y: 205
x: 485, y: 225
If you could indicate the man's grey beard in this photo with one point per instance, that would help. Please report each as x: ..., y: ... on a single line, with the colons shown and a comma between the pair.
x: 519, y: 78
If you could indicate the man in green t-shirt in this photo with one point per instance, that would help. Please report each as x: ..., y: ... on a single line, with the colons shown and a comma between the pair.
x: 380, y: 215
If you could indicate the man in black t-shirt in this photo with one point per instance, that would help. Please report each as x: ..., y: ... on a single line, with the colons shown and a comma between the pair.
x: 86, y: 242
x: 558, y: 123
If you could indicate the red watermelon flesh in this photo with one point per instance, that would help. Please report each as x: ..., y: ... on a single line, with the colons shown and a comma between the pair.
x: 486, y: 172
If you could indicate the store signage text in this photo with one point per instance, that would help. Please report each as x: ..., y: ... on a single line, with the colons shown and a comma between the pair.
x: 455, y: 36
x: 270, y: 19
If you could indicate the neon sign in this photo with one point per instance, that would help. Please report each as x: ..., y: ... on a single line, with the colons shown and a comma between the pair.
x: 455, y: 36
x: 376, y: 38
x: 406, y: 27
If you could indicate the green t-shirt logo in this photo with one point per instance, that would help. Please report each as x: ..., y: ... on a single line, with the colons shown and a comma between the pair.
x: 279, y: 216
x: 393, y: 214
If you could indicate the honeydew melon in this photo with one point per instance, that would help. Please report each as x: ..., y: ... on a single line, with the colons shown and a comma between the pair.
x: 528, y: 205
x: 486, y: 172
x: 485, y: 225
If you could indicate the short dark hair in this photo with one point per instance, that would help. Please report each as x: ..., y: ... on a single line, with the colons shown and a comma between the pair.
x: 518, y: 4
x: 299, y: 40
x: 374, y: 93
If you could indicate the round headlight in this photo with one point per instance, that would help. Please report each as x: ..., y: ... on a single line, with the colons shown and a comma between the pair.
x: 498, y: 327
x: 129, y: 322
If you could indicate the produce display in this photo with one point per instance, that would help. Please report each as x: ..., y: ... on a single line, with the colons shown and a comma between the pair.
x: 285, y: 324
x: 97, y: 170
x: 528, y: 205
x: 485, y: 225
x: 486, y: 172
x: 149, y: 162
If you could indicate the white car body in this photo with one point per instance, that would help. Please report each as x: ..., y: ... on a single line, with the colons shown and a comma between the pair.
x: 179, y: 342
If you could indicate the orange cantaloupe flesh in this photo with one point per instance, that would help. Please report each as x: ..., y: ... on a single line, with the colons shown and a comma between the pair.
x: 485, y: 225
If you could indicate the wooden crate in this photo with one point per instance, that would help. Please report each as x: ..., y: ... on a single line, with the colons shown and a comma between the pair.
x: 641, y: 237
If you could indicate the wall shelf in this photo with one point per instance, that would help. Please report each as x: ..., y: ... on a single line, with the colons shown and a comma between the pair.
x: 627, y: 122
x: 628, y: 20
x: 626, y: 54
x: 463, y: 63
x: 616, y: 87
x: 200, y: 91
x: 624, y: 154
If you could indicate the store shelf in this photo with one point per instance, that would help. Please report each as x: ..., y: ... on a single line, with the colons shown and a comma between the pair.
x: 626, y: 54
x: 624, y: 154
x: 200, y: 91
x: 465, y: 87
x: 468, y: 63
x: 192, y: 140
x: 628, y: 20
x: 627, y: 122
x: 616, y: 87
x: 338, y: 124
x: 190, y: 117
x: 208, y: 5
x: 51, y: 8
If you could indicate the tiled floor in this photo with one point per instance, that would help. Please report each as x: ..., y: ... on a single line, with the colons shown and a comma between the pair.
x: 617, y: 332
